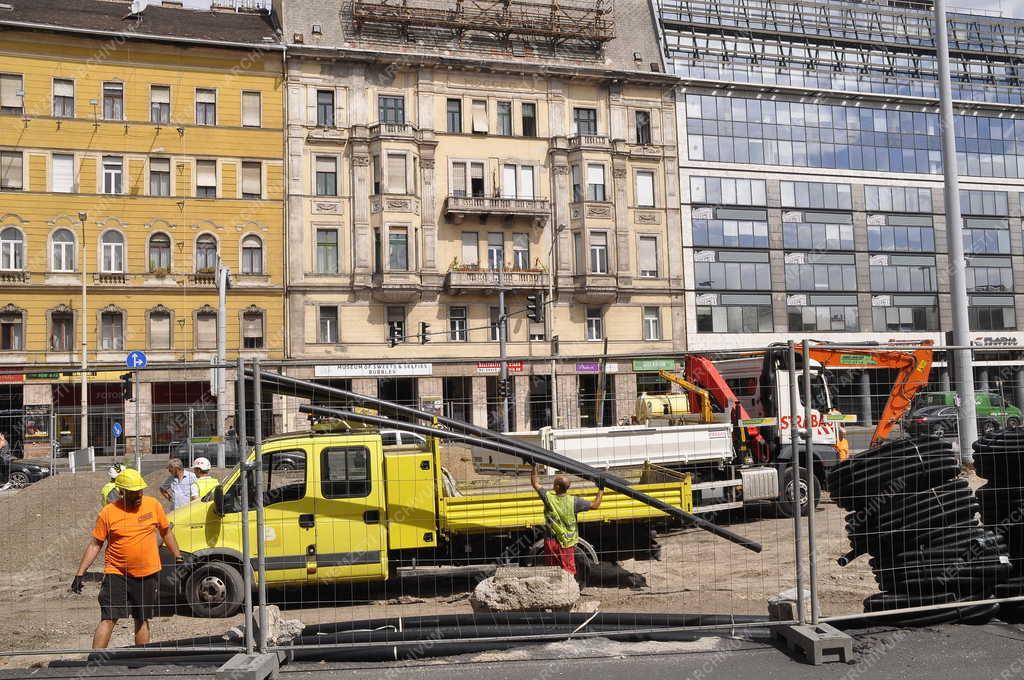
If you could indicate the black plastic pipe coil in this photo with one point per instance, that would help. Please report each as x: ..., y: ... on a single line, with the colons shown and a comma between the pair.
x: 998, y: 458
x: 910, y: 510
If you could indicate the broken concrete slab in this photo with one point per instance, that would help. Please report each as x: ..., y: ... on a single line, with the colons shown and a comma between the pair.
x: 280, y: 631
x: 518, y: 589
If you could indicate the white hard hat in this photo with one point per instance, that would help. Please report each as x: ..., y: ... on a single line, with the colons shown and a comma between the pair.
x: 114, y: 470
x: 201, y: 464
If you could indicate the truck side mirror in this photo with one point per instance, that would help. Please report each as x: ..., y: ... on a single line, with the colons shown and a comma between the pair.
x: 218, y: 500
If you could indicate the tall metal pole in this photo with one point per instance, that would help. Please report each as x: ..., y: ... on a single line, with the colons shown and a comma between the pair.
x: 83, y: 428
x: 812, y: 560
x: 219, y: 372
x: 243, y: 480
x: 261, y: 557
x: 138, y: 400
x: 502, y: 349
x: 968, y: 425
x: 794, y: 452
x: 550, y: 312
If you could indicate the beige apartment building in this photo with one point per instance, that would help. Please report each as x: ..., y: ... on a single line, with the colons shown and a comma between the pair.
x: 434, y: 156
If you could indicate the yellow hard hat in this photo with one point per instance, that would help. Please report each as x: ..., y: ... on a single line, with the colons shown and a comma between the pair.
x: 130, y: 480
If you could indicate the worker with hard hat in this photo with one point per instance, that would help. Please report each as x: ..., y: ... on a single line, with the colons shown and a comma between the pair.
x: 205, y: 482
x: 109, y: 493
x: 131, y: 571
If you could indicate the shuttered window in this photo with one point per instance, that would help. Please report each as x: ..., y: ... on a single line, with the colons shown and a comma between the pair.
x: 647, y: 254
x: 526, y: 182
x: 160, y: 104
x: 63, y: 173
x: 645, y: 189
x: 595, y: 182
x: 10, y: 89
x: 326, y: 176
x: 508, y: 181
x: 159, y: 176
x: 252, y: 330
x: 206, y: 179
x: 476, y: 179
x: 480, y: 116
x: 206, y: 330
x: 11, y: 170
x: 159, y: 330
x: 252, y: 180
x: 458, y: 183
x: 206, y: 107
x: 396, y: 173
x: 251, y: 109
x: 470, y: 248
x: 64, y: 98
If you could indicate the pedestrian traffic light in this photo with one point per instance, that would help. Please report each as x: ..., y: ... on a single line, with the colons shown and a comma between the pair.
x: 126, y: 386
x: 535, y: 307
x: 424, y: 332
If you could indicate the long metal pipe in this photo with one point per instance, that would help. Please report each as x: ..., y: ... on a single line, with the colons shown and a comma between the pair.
x: 968, y: 423
x: 243, y: 480
x: 261, y: 557
x: 496, y: 442
x: 812, y: 562
x: 794, y: 451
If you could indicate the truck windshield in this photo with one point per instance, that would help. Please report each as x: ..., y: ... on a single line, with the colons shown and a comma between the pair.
x: 821, y: 391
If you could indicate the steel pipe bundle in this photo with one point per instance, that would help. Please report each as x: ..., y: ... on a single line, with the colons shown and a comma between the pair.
x: 910, y: 509
x: 998, y: 458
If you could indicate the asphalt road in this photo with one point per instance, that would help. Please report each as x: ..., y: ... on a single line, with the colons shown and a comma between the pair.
x: 994, y: 651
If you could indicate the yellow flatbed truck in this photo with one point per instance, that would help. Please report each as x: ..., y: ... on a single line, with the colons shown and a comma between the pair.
x: 340, y: 507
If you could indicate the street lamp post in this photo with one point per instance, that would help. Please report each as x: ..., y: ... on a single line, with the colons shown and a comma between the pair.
x: 84, y: 425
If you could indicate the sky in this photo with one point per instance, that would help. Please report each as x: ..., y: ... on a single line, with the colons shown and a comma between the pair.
x: 1009, y: 8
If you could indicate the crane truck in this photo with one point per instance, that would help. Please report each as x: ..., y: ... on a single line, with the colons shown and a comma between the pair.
x: 742, y: 453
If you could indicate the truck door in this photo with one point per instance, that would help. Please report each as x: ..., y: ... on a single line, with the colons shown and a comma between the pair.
x: 823, y: 431
x: 288, y: 509
x: 351, y: 542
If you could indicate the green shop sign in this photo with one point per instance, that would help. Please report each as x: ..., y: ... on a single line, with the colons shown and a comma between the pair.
x: 653, y: 365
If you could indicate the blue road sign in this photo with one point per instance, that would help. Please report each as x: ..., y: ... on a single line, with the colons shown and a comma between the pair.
x: 116, y: 430
x: 136, y: 360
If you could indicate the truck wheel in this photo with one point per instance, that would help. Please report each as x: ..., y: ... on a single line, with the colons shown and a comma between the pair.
x: 1012, y: 422
x: 215, y: 590
x: 786, y: 495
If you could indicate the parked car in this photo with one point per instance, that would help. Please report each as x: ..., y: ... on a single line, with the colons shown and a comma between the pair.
x: 24, y: 473
x: 937, y: 411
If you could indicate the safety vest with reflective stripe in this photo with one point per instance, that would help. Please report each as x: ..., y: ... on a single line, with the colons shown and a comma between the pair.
x: 560, y: 515
x: 206, y: 485
x: 105, y: 497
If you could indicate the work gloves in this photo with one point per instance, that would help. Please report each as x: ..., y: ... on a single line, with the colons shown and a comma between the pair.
x: 600, y: 483
x: 77, y: 584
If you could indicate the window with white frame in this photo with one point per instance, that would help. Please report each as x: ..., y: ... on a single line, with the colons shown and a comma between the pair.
x: 12, y: 331
x: 12, y: 249
x: 111, y: 330
x: 652, y: 323
x: 113, y: 101
x: 480, y: 116
x: 598, y: 252
x: 390, y: 109
x: 252, y: 254
x: 504, y: 113
x: 398, y: 249
x: 252, y: 180
x: 584, y: 121
x: 470, y: 248
x: 325, y: 108
x: 160, y: 104
x: 495, y: 250
x: 595, y: 323
x: 62, y: 250
x: 252, y: 329
x: 252, y: 109
x: 453, y: 109
x: 328, y: 324
x: 458, y: 324
x: 395, y: 316
x: 113, y: 175
x: 159, y: 252
x: 160, y: 329
x: 206, y: 329
x: 159, y: 176
x: 206, y: 179
x: 327, y: 251
x: 577, y: 186
x: 396, y: 173
x: 112, y: 252
x: 645, y: 188
x: 467, y: 178
x: 12, y: 173
x: 647, y: 257
x: 63, y: 98
x: 326, y: 176
x: 206, y: 107
x: 520, y: 251
x: 62, y: 173
x: 12, y: 93
x: 206, y: 253
x: 595, y: 182
x: 517, y: 181
x: 62, y: 331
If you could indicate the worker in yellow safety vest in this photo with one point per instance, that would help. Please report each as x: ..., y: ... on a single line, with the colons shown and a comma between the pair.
x: 560, y: 528
x: 204, y: 482
x: 109, y: 492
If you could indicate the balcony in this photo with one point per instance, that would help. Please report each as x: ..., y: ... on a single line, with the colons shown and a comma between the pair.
x: 9, y: 277
x: 396, y: 287
x: 392, y: 131
x: 466, y: 279
x: 599, y: 142
x: 595, y: 289
x: 203, y: 278
x: 458, y: 207
x: 110, y: 278
x: 327, y: 135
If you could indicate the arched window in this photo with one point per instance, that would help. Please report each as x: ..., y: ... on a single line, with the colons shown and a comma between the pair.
x: 112, y: 261
x: 206, y: 253
x: 159, y: 252
x: 252, y: 255
x: 12, y: 249
x: 63, y: 244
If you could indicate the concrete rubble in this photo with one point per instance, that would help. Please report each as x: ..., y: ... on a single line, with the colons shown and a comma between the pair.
x: 516, y: 589
x: 280, y: 631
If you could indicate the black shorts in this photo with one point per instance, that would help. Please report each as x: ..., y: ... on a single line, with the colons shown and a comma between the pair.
x: 123, y: 596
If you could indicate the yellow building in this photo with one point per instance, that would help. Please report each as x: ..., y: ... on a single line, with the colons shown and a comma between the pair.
x: 140, y: 150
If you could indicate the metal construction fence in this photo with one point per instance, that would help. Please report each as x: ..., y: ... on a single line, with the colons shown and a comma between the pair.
x: 374, y: 522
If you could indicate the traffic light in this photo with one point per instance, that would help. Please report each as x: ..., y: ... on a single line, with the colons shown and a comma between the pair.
x: 126, y: 386
x: 554, y: 345
x: 502, y: 388
x: 535, y: 307
x: 424, y: 332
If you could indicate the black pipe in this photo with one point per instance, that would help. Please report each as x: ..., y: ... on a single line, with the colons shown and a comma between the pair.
x: 548, y: 458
